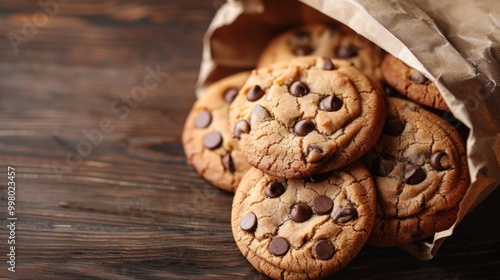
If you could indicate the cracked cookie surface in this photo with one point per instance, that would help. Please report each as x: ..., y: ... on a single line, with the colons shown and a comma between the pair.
x: 303, y: 228
x: 327, y: 40
x: 305, y: 116
x: 420, y: 170
x: 412, y: 83
x: 208, y: 142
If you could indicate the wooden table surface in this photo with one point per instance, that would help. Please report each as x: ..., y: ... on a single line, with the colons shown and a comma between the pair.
x: 103, y: 190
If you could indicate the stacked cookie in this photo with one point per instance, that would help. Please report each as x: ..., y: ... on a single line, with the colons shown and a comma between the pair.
x: 320, y: 161
x: 208, y: 142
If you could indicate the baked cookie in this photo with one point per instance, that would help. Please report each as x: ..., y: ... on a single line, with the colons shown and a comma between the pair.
x: 328, y: 40
x: 305, y: 116
x: 420, y: 169
x: 208, y: 142
x: 411, y: 83
x: 303, y: 228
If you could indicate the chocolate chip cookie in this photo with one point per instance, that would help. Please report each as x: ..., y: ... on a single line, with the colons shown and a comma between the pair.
x: 303, y: 228
x: 420, y: 169
x: 208, y: 142
x: 328, y: 40
x: 411, y: 83
x: 305, y: 116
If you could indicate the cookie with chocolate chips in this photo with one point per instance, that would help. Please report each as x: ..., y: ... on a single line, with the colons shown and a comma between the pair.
x: 411, y: 83
x: 420, y: 169
x: 303, y: 228
x: 208, y: 143
x: 328, y: 40
x: 305, y: 116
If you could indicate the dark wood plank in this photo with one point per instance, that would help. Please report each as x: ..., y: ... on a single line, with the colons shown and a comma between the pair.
x: 130, y: 207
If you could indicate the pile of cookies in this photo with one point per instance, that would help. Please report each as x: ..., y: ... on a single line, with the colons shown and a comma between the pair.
x: 321, y: 161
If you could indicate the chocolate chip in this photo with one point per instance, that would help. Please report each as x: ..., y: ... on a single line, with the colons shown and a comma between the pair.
x: 274, y: 189
x: 212, y: 140
x: 436, y: 162
x: 414, y: 175
x: 303, y: 50
x: 255, y: 93
x: 382, y: 166
x: 303, y: 127
x: 241, y: 127
x: 301, y: 43
x: 417, y: 77
x: 227, y: 162
x: 279, y: 246
x: 328, y: 64
x: 322, y: 205
x: 249, y: 222
x: 314, y: 154
x: 324, y: 249
x: 331, y: 103
x: 344, y: 214
x: 317, y: 178
x: 298, y: 89
x: 230, y: 94
x: 258, y: 115
x: 394, y: 126
x: 301, y: 212
x: 347, y: 51
x: 203, y: 119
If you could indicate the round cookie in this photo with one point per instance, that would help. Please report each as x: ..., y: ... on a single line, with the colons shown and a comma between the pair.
x: 420, y: 169
x: 412, y: 83
x: 207, y: 140
x: 305, y: 116
x: 303, y: 228
x: 321, y: 39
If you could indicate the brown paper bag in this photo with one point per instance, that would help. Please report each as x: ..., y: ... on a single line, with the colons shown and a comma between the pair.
x: 455, y: 43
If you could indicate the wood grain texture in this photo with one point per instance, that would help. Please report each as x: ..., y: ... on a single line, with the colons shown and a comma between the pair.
x: 130, y: 207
